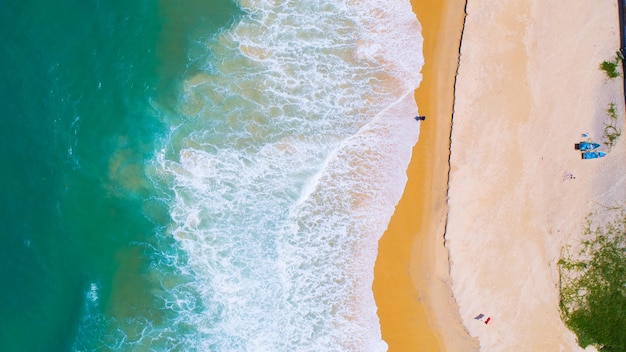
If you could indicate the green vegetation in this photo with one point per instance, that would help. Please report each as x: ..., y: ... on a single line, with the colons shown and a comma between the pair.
x: 593, y: 286
x: 610, y: 67
x: 611, y: 132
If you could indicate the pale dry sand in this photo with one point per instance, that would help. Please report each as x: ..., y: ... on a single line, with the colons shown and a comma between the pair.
x: 528, y: 86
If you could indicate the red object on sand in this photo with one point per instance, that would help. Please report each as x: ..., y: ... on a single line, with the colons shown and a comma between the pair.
x: 487, y: 321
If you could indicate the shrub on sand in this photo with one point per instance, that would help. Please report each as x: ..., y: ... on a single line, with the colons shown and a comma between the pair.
x: 593, y: 286
x: 610, y: 67
x: 611, y: 132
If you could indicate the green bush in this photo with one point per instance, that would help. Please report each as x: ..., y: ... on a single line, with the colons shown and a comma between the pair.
x: 611, y: 132
x: 610, y: 67
x: 593, y: 287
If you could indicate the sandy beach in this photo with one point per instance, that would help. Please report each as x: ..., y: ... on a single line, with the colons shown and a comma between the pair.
x: 528, y: 86
x: 411, y: 284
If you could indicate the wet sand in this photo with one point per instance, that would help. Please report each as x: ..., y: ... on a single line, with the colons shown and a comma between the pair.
x: 411, y: 277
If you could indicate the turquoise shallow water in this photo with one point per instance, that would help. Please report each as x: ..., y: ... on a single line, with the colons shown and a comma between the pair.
x: 205, y: 176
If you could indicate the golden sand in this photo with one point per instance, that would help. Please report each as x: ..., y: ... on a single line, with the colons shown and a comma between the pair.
x: 408, y: 285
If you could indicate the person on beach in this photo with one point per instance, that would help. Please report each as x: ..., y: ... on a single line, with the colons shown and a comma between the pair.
x: 420, y: 118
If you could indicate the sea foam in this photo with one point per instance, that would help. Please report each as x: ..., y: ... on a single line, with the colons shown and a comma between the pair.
x: 281, y: 171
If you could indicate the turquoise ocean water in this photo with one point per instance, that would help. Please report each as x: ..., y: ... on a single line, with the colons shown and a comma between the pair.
x: 200, y: 175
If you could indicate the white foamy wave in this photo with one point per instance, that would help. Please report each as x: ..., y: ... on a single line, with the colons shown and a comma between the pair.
x: 92, y: 295
x: 391, y: 36
x: 284, y: 173
x: 328, y: 249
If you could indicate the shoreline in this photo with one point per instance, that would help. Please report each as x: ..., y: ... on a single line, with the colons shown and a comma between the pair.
x: 411, y: 283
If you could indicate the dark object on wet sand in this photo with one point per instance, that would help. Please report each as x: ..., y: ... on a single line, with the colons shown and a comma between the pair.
x: 420, y: 118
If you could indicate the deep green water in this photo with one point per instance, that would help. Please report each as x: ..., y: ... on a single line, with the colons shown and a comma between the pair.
x: 79, y: 82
